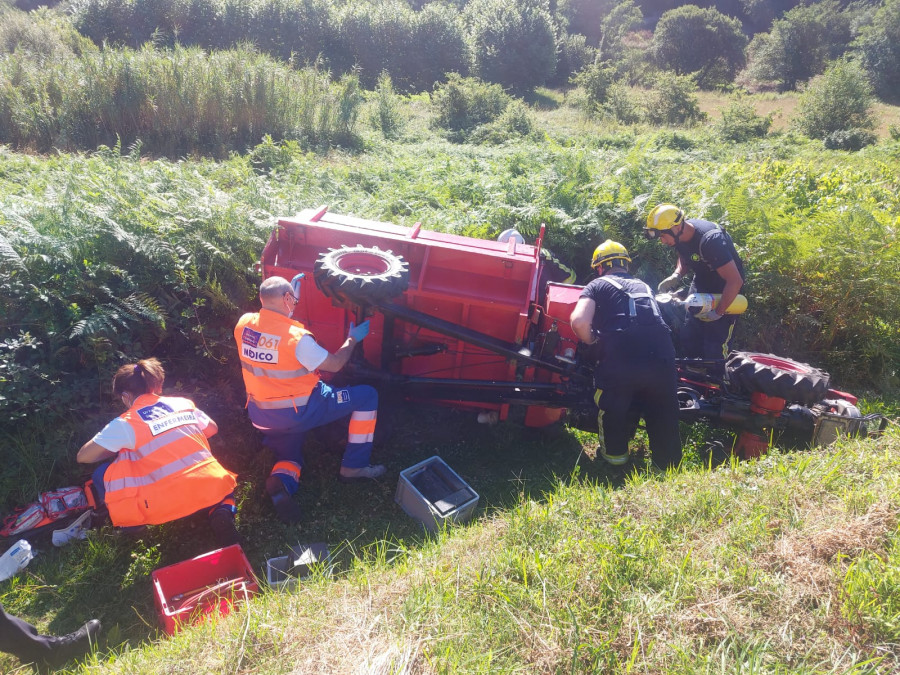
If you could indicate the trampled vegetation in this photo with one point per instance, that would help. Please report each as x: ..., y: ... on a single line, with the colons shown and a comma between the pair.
x: 129, y: 249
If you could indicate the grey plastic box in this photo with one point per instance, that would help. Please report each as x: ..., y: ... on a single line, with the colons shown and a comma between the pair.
x: 434, y: 494
x: 284, y: 572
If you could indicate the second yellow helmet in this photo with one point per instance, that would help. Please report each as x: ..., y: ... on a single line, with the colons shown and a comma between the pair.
x: 610, y: 253
x: 663, y: 218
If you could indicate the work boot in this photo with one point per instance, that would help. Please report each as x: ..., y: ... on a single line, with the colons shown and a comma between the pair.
x: 221, y: 522
x: 71, y: 646
x: 348, y: 475
x: 287, y: 510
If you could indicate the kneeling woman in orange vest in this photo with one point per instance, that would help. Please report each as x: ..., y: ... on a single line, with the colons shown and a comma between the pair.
x: 160, y: 466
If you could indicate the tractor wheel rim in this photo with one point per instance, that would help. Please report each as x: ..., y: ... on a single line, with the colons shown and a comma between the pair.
x: 781, y: 364
x: 362, y: 264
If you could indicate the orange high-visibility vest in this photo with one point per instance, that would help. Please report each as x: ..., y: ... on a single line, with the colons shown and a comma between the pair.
x: 274, y: 378
x: 171, y: 473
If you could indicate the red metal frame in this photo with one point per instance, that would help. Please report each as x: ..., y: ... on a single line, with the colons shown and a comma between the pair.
x: 483, y: 285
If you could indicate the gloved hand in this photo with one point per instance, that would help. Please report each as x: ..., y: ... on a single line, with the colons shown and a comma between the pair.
x: 670, y: 283
x: 359, y: 332
x: 295, y: 284
x: 711, y: 315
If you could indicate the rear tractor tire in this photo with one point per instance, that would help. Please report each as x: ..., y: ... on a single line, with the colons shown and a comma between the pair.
x: 772, y: 375
x: 361, y: 275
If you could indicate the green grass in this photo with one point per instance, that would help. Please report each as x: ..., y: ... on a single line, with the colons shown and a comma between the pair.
x: 788, y: 564
x: 567, y: 567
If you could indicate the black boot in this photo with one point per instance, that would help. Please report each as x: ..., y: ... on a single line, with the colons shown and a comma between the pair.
x: 71, y: 646
x: 287, y: 510
x: 221, y: 522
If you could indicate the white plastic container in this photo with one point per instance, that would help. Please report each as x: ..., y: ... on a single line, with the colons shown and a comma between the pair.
x: 16, y: 558
x: 434, y: 494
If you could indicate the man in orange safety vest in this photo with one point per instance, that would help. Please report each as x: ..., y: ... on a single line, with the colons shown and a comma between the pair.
x: 286, y: 398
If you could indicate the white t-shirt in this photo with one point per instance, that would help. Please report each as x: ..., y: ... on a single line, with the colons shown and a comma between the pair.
x: 309, y: 353
x: 118, y: 434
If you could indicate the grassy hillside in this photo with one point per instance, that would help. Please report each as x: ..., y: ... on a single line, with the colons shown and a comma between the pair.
x: 113, y: 255
x: 790, y: 564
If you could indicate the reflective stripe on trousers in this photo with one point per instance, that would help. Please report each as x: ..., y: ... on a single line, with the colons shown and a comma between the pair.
x: 362, y: 426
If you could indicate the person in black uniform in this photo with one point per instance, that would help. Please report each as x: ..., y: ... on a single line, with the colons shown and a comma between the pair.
x: 21, y: 639
x: 708, y: 251
x: 635, y: 375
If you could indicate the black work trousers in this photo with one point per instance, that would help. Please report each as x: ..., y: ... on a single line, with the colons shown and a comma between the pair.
x: 21, y: 639
x: 707, y: 339
x: 628, y: 390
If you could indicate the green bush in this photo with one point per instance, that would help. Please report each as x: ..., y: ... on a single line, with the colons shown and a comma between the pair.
x: 516, y: 121
x: 703, y: 42
x: 514, y: 44
x: 799, y: 45
x: 463, y: 103
x: 850, y: 139
x: 595, y: 81
x: 838, y: 100
x: 416, y: 48
x: 574, y: 56
x: 622, y: 105
x: 175, y: 102
x: 879, y: 48
x: 108, y: 258
x: 740, y: 122
x: 672, y: 140
x: 441, y: 47
x: 386, y: 114
x: 375, y: 38
x: 621, y: 20
x: 270, y: 156
x: 302, y: 31
x: 40, y: 35
x: 672, y: 100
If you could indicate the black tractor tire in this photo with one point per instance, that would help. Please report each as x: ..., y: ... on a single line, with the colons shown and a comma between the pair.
x: 361, y: 275
x: 772, y: 375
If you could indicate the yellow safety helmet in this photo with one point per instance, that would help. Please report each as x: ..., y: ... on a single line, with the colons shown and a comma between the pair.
x: 610, y: 253
x: 663, y: 218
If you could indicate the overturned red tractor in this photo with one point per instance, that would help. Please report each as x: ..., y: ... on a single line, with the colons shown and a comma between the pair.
x: 483, y: 325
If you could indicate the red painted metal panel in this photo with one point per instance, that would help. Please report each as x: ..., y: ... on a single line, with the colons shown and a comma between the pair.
x: 482, y: 285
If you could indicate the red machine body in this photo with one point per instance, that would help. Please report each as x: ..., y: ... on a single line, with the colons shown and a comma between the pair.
x: 486, y: 286
x: 481, y: 324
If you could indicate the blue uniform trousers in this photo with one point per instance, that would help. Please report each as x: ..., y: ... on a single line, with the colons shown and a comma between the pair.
x: 284, y: 430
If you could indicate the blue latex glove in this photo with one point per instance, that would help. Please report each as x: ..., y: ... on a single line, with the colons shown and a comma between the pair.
x: 295, y: 284
x: 359, y: 332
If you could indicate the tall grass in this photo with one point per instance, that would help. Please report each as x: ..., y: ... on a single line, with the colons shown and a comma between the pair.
x: 417, y: 48
x: 40, y: 35
x: 182, y: 101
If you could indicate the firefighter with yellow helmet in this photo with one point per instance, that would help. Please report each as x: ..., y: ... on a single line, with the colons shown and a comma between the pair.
x: 708, y: 251
x: 635, y: 375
